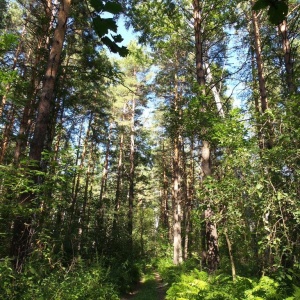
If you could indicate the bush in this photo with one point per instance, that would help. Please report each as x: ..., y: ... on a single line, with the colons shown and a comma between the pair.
x: 189, y: 287
x: 80, y: 282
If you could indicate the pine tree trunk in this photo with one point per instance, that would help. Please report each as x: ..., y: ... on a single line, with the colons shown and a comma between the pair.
x: 131, y: 172
x: 259, y: 63
x: 22, y: 229
x: 233, y: 270
x: 177, y: 213
x: 105, y: 167
x: 47, y: 94
x: 164, y: 205
x: 6, y: 137
x: 118, y: 186
x: 287, y: 54
x: 209, y: 257
x: 176, y: 195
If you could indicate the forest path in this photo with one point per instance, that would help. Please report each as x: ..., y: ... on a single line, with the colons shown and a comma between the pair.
x: 151, y: 287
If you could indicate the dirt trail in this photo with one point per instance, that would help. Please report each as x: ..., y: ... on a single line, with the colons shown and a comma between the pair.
x: 160, y: 289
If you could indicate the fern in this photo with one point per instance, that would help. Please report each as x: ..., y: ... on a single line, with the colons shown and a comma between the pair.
x: 296, y: 292
x: 189, y: 286
x: 266, y: 289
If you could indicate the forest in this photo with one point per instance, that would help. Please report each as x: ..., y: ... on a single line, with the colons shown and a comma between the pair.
x: 173, y: 157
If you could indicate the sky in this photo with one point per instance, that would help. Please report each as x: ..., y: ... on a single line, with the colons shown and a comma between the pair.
x: 127, y: 34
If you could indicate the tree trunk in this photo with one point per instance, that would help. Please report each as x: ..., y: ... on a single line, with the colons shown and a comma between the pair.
x: 200, y: 73
x: 233, y: 271
x: 131, y: 172
x: 22, y: 228
x: 177, y: 256
x: 209, y: 257
x: 7, y: 133
x: 76, y: 181
x: 46, y: 101
x: 287, y: 54
x: 259, y: 63
x: 164, y: 206
x: 215, y: 92
x: 119, y: 183
x: 105, y: 167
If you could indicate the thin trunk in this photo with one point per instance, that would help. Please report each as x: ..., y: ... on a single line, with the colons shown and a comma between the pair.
x: 206, y: 160
x: 119, y: 182
x: 78, y: 175
x: 215, y: 92
x: 177, y: 255
x: 7, y: 133
x: 287, y: 54
x: 200, y: 72
x: 233, y: 270
x: 105, y: 167
x: 131, y: 171
x: 212, y: 248
x: 184, y: 200
x: 177, y: 191
x: 259, y: 63
x: 84, y: 218
x: 190, y: 183
x: 267, y: 129
x: 164, y: 210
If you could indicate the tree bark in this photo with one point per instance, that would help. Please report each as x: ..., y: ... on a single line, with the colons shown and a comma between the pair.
x: 259, y: 63
x: 119, y: 181
x: 287, y: 54
x: 23, y: 229
x: 209, y: 257
x: 200, y: 72
x: 233, y: 270
x: 177, y: 214
x: 46, y: 101
x: 131, y: 171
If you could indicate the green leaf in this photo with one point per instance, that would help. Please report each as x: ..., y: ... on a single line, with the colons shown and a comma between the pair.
x: 98, y: 26
x: 113, y: 47
x: 277, y: 12
x: 102, y: 26
x: 118, y: 38
x: 259, y: 186
x: 289, y: 277
x: 260, y: 4
x: 97, y: 5
x: 113, y: 7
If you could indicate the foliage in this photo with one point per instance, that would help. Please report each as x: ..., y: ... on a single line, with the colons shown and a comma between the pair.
x: 103, y: 25
x: 277, y: 9
x: 189, y: 286
x: 79, y: 281
x: 194, y: 284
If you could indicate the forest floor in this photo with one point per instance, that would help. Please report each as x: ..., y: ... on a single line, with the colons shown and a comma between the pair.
x: 151, y: 287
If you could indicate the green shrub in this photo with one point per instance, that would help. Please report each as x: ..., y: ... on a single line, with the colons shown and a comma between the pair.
x: 79, y: 282
x: 265, y: 289
x: 190, y: 286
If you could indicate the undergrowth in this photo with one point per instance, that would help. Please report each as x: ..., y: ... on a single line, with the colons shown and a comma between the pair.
x: 189, y: 283
x: 80, y: 280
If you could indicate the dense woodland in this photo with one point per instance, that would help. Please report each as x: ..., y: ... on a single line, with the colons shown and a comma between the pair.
x: 178, y: 152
